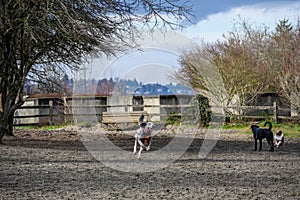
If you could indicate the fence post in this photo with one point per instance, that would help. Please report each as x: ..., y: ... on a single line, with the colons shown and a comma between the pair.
x: 50, y: 112
x: 275, y: 112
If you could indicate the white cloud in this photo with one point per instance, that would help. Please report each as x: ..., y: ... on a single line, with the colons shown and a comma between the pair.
x: 160, y: 50
x: 215, y: 25
x: 209, y: 29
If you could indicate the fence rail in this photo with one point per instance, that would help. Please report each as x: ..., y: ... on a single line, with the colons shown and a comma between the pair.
x: 58, y: 114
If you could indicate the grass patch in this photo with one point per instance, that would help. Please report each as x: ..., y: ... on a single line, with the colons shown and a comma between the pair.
x: 289, y: 130
x: 236, y: 126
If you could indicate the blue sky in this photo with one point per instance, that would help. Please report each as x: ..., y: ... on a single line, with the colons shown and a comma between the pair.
x: 211, y: 20
x: 214, y: 18
x: 202, y: 9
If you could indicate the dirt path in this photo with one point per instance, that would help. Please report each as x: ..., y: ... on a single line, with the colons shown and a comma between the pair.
x: 56, y: 165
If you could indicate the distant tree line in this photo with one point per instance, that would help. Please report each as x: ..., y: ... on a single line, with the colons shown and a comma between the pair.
x: 105, y: 87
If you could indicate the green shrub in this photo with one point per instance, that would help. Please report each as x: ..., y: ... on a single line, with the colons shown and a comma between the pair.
x: 173, y: 118
x: 199, y: 110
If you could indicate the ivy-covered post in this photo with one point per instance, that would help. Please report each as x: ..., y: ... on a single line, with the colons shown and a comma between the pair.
x: 275, y: 112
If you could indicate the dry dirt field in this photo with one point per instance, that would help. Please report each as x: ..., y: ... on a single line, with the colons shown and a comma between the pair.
x: 56, y: 165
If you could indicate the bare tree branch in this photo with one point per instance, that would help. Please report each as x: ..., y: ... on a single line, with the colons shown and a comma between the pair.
x: 36, y: 34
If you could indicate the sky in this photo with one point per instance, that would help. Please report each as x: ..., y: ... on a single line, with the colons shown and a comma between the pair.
x: 212, y: 19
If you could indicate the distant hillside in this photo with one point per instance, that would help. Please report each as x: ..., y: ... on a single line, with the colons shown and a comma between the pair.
x: 107, y: 87
x: 158, y: 89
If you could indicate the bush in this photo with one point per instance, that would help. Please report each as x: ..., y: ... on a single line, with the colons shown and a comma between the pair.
x: 173, y: 118
x: 200, y: 110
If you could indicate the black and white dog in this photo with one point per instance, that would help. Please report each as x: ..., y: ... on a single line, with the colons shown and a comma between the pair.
x: 143, y: 136
x: 261, y: 133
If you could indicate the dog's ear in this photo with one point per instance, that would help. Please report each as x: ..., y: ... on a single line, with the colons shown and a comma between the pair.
x: 141, y: 119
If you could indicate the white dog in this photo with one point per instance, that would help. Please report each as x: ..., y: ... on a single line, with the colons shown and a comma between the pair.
x: 143, y: 136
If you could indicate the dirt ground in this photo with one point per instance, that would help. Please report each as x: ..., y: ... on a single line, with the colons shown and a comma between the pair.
x: 56, y: 165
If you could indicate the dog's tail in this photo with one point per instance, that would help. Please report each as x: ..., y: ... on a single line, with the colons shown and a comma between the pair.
x: 270, y: 125
x: 141, y: 119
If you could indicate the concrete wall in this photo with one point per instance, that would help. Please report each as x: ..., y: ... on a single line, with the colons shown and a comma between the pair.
x: 152, y: 104
x: 90, y: 108
x: 27, y: 112
x: 85, y: 108
x: 115, y: 101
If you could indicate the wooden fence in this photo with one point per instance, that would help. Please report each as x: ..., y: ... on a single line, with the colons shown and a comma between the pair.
x: 64, y: 114
x: 50, y: 115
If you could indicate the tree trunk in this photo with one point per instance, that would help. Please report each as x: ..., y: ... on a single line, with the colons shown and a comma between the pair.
x: 3, y: 127
x: 10, y: 126
x: 6, y: 126
x: 9, y: 105
x: 2, y: 133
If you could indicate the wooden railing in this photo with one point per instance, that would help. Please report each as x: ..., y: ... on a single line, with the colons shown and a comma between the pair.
x: 49, y: 114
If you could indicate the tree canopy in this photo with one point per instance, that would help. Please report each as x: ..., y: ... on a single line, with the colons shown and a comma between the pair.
x: 39, y: 39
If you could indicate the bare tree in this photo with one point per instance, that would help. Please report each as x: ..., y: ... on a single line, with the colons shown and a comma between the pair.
x: 228, y: 70
x: 41, y: 36
x: 248, y: 61
x: 285, y: 51
x: 199, y: 71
